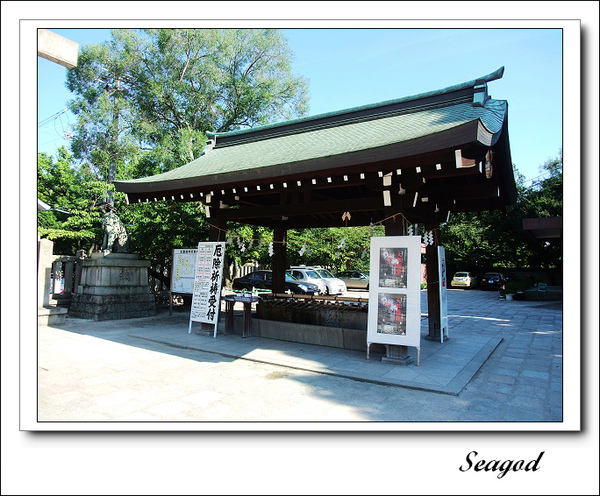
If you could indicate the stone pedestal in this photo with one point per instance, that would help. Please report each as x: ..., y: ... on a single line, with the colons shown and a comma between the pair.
x: 113, y: 287
x: 397, y: 354
x: 49, y: 316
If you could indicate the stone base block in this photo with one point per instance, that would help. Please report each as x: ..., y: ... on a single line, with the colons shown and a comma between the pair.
x: 397, y: 355
x: 113, y: 287
x: 51, y: 315
x: 407, y: 360
x: 112, y: 307
x: 201, y: 331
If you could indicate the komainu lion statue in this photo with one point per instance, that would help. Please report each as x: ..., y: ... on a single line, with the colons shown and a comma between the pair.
x: 116, y: 239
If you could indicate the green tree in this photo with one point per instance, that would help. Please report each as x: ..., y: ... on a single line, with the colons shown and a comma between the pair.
x: 338, y: 248
x: 156, y: 228
x: 311, y: 246
x: 145, y: 100
x: 72, y: 223
x: 545, y: 199
x: 103, y: 136
x: 482, y: 241
x: 171, y: 86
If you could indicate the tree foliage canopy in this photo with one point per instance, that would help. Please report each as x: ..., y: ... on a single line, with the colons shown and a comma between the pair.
x: 72, y: 223
x: 148, y: 97
x: 482, y: 241
x: 144, y: 102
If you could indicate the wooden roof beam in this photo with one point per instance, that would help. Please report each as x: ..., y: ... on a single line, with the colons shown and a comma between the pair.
x: 312, y: 208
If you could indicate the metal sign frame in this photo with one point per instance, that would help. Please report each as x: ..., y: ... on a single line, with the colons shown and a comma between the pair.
x: 395, y: 296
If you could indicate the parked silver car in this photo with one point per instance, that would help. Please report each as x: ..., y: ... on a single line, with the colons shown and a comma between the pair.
x: 333, y: 285
x: 354, y: 279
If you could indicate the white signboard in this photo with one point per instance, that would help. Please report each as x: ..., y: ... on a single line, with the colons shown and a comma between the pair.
x: 183, y: 270
x: 206, y: 299
x: 443, y: 286
x: 395, y: 295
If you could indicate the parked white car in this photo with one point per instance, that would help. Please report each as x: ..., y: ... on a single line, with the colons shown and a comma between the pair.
x: 464, y: 280
x: 309, y: 275
x: 333, y: 285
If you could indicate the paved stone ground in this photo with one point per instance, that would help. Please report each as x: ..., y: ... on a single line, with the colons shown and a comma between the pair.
x: 523, y: 379
x: 100, y: 377
x: 99, y: 371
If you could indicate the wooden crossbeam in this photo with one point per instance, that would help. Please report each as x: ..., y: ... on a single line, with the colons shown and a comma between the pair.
x: 312, y: 208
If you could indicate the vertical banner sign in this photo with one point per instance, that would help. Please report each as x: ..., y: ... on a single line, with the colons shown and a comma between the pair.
x: 206, y: 299
x: 443, y: 285
x: 395, y: 297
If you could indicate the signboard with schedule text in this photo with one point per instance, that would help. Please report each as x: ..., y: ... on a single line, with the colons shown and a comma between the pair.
x: 208, y: 275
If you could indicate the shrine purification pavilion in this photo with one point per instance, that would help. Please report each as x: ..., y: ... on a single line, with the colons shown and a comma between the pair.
x: 412, y: 160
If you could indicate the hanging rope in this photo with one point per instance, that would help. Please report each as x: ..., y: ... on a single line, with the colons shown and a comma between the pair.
x: 333, y: 238
x: 229, y: 235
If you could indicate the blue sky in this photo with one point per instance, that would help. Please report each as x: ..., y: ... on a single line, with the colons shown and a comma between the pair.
x: 353, y: 67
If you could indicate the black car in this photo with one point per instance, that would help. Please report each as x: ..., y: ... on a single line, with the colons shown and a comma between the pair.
x: 263, y: 279
x: 493, y: 280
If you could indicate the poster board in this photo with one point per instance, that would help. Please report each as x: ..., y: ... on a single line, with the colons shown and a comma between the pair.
x: 206, y: 298
x: 183, y: 270
x: 443, y: 286
x: 395, y: 297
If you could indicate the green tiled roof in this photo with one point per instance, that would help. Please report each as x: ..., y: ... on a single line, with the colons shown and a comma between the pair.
x: 314, y: 140
x: 470, y: 84
x: 335, y: 140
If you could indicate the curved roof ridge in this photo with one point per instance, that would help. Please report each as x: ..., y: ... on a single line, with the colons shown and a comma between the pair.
x: 497, y: 74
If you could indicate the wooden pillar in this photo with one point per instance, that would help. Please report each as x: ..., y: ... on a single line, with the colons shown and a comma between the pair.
x: 433, y: 287
x: 218, y: 227
x: 396, y: 226
x: 279, y: 259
